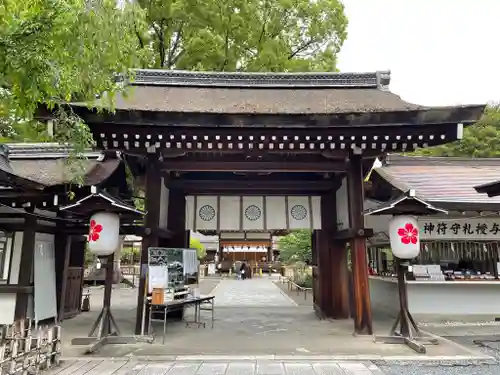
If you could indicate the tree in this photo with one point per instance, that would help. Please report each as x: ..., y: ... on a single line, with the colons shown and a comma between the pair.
x: 244, y: 35
x: 56, y: 51
x: 194, y: 243
x: 296, y: 246
x: 481, y: 140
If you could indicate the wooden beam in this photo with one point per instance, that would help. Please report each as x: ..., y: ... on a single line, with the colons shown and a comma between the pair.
x: 14, y: 288
x: 253, y: 166
x: 315, y: 140
x: 161, y: 118
x: 207, y: 186
x: 350, y: 234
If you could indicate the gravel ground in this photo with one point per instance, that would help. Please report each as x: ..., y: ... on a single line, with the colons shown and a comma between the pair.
x: 491, y: 367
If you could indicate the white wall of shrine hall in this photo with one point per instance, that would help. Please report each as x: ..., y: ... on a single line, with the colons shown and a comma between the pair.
x: 42, y: 303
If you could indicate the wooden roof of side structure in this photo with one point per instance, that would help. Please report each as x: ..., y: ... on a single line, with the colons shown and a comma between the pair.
x: 492, y: 189
x: 32, y: 172
x: 446, y: 182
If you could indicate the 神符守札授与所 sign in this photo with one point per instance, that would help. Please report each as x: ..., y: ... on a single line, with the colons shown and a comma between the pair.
x: 459, y: 229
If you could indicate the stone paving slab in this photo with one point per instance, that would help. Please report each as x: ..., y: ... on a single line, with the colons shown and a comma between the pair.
x: 102, y: 367
x: 255, y: 292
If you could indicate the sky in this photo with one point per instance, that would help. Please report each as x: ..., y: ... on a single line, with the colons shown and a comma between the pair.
x: 439, y: 52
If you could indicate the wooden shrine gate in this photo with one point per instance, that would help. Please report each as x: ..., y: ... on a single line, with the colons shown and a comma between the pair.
x: 268, y: 134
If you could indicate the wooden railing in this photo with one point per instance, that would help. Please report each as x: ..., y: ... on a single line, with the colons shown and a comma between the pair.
x: 24, y: 350
x: 294, y: 286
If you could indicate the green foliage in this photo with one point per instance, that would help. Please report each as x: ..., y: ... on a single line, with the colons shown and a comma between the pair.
x: 130, y: 255
x: 195, y: 243
x: 296, y: 246
x: 89, y: 257
x: 481, y: 140
x: 56, y: 51
x: 244, y: 35
x: 306, y: 281
x: 59, y: 51
x: 302, y: 275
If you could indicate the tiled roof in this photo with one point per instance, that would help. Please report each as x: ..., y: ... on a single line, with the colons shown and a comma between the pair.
x: 42, y: 165
x: 51, y: 172
x: 276, y: 93
x: 259, y: 79
x: 263, y: 101
x: 442, y: 179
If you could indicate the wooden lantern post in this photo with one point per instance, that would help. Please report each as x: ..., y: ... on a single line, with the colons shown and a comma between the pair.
x: 103, y: 240
x: 405, y: 245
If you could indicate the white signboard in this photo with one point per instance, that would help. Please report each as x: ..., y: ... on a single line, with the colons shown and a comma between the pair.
x: 463, y: 229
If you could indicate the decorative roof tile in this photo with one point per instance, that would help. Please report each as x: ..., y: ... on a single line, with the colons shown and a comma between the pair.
x: 150, y: 77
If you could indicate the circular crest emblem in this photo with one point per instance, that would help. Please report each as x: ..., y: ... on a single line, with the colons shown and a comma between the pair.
x: 253, y: 212
x: 298, y: 212
x: 206, y: 213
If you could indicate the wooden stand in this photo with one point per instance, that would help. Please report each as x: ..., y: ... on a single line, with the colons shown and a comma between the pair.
x: 104, y: 330
x: 408, y: 332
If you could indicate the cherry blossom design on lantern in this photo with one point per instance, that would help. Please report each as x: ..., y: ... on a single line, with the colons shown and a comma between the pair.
x: 94, y: 231
x: 408, y: 234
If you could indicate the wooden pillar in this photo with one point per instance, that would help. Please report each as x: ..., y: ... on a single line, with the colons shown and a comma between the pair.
x: 335, y: 261
x: 362, y: 305
x: 26, y: 264
x: 269, y: 254
x: 64, y: 281
x: 59, y: 261
x: 324, y: 306
x: 187, y: 240
x: 315, y: 274
x: 150, y: 237
x: 177, y: 218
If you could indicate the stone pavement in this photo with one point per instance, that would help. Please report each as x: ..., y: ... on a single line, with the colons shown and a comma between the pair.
x: 256, y: 292
x: 95, y: 367
x: 252, y: 318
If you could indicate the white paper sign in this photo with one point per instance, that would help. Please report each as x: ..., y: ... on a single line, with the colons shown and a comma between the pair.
x: 157, y: 277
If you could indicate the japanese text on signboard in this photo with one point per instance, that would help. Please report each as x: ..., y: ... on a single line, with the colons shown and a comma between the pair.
x: 461, y: 228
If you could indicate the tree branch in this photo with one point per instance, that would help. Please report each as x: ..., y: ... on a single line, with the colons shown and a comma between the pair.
x: 226, y: 46
x: 161, y: 42
x: 173, y: 49
x: 300, y: 49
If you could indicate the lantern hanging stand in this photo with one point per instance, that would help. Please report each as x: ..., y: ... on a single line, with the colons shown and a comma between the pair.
x: 105, y: 325
x: 405, y: 330
x: 105, y: 329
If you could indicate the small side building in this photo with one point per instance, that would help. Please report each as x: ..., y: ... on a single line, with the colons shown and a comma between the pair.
x: 40, y: 277
x: 458, y: 265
